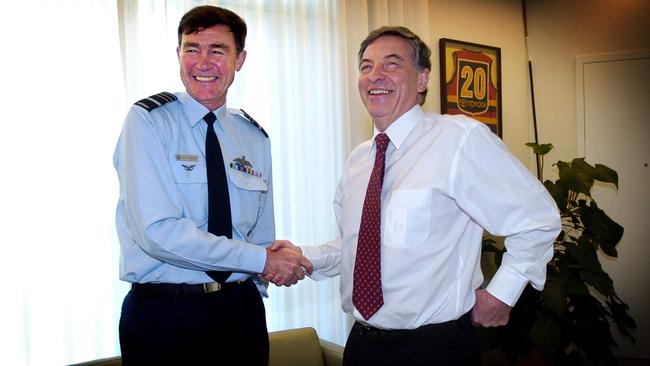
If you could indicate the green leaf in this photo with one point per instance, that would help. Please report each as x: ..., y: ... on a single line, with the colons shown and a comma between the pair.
x: 489, y: 244
x: 572, y: 281
x: 585, y: 253
x: 562, y: 165
x: 576, y: 286
x: 498, y: 258
x: 571, y: 358
x: 489, y: 248
x: 540, y: 149
x: 589, y: 266
x: 559, y: 192
x: 546, y: 334
x: 606, y: 174
x: 600, y: 280
x: 559, y: 264
x: 554, y: 295
x: 622, y: 319
x: 606, y: 232
x: 571, y: 317
x: 578, y: 176
x: 590, y: 329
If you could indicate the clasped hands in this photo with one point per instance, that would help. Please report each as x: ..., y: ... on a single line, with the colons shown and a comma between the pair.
x: 285, y: 264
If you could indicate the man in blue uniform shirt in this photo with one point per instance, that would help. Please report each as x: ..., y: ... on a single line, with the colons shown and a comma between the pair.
x: 195, y: 295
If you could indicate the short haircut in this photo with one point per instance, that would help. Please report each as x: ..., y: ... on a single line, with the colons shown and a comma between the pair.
x: 203, y: 17
x: 421, y: 52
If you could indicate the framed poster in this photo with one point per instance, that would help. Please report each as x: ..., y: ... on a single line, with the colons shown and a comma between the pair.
x: 470, y: 81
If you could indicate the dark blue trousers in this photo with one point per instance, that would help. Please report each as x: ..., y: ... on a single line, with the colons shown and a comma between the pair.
x: 451, y: 343
x: 226, y: 327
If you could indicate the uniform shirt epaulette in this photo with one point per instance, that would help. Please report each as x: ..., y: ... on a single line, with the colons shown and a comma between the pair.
x: 156, y: 101
x: 243, y: 113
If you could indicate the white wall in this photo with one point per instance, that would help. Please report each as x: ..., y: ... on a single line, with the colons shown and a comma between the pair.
x: 560, y: 30
x: 494, y: 23
x: 497, y: 23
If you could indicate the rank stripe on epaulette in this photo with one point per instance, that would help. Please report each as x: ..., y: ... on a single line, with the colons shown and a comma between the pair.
x: 156, y: 101
x: 254, y: 122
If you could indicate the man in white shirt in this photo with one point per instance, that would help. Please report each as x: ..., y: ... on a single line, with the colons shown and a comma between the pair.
x: 445, y: 180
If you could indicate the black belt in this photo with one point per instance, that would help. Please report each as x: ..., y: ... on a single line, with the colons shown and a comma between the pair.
x: 366, y: 330
x: 183, y: 288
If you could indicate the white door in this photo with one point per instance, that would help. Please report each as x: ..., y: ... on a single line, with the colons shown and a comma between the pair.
x: 613, y: 99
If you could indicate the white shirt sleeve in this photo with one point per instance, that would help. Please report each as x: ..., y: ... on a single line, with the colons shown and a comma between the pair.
x: 326, y: 259
x: 502, y: 196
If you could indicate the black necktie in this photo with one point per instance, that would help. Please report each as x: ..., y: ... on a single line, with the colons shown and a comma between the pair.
x: 219, y: 220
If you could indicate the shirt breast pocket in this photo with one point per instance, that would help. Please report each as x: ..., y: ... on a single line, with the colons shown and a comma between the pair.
x: 247, y: 199
x: 247, y: 182
x: 408, y: 217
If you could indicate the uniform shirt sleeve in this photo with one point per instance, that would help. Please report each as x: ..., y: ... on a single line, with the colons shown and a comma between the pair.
x: 155, y: 217
x: 502, y: 196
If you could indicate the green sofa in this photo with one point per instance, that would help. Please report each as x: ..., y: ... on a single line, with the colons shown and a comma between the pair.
x: 293, y: 347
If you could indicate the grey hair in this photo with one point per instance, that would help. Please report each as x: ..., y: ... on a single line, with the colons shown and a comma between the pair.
x: 421, y: 52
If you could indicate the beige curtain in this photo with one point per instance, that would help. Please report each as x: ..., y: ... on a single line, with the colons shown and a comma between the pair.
x: 62, y: 102
x: 69, y: 72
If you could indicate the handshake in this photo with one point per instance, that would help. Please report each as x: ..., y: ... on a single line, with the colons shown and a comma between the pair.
x: 285, y: 265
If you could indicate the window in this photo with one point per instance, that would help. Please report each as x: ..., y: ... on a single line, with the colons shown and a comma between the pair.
x: 70, y: 72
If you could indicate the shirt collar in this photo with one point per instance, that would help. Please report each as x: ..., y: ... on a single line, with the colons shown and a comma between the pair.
x: 402, y: 127
x: 195, y: 111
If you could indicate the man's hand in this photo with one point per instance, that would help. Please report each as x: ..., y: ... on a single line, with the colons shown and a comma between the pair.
x: 489, y: 311
x: 277, y: 244
x: 284, y: 266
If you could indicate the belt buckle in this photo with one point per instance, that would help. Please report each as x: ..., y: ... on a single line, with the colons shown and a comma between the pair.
x: 211, y: 287
x: 364, y: 329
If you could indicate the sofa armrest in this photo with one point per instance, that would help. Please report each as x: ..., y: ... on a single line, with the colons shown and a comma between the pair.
x: 295, y: 347
x: 110, y: 361
x: 332, y: 353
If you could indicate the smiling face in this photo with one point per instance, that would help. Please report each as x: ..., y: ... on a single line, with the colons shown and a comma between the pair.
x: 389, y: 81
x: 208, y: 61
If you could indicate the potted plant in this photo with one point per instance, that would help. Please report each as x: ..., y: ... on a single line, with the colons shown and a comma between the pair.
x: 568, y: 322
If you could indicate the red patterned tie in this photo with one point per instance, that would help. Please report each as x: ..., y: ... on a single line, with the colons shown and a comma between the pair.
x: 366, y: 292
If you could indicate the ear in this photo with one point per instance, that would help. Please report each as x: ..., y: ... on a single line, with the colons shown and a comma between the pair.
x: 423, y: 80
x: 240, y: 60
x: 178, y: 53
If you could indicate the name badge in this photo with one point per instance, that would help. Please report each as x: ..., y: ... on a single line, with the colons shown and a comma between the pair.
x: 187, y: 157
